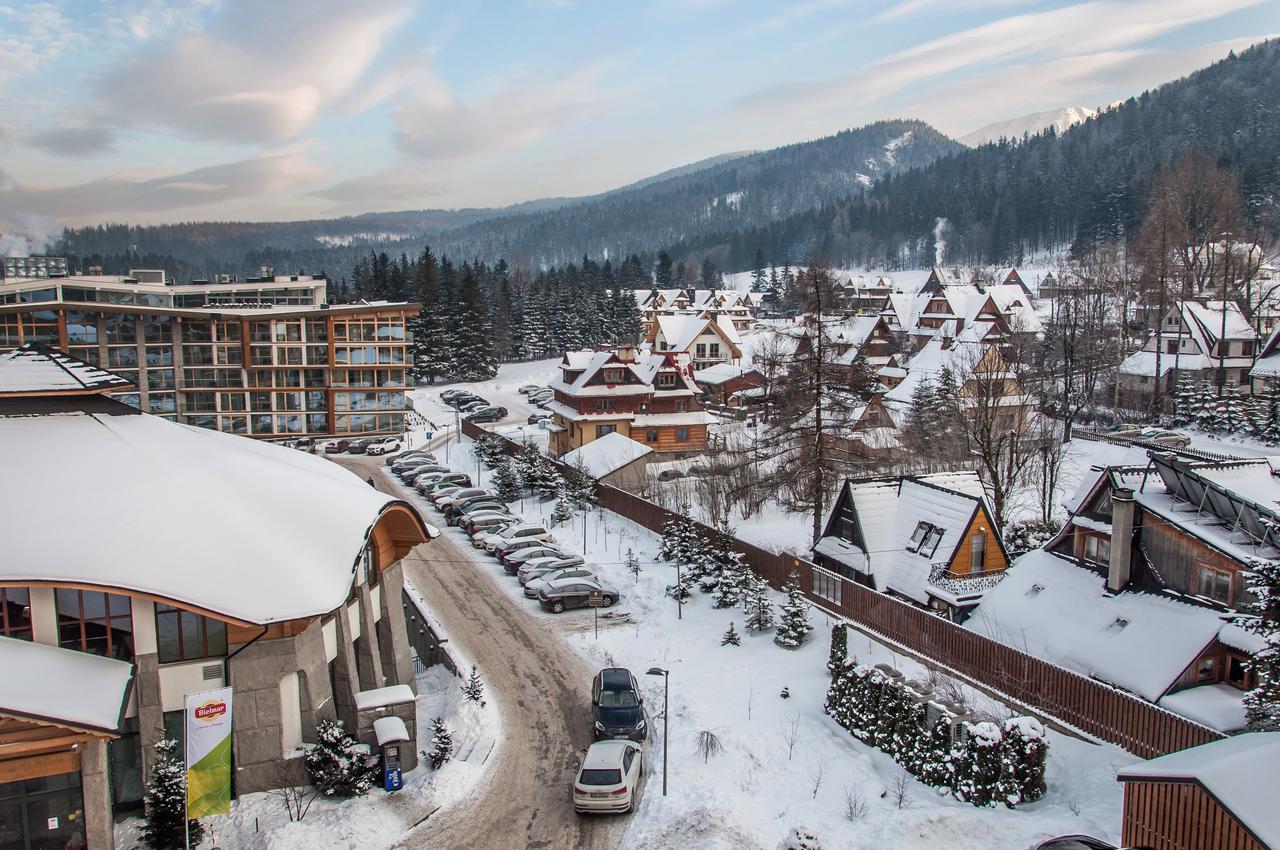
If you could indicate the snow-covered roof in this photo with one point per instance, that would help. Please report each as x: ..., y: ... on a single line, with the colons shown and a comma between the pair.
x: 33, y: 370
x: 252, y: 531
x: 1144, y: 363
x: 1268, y: 363
x: 678, y: 331
x: 63, y: 685
x: 1210, y: 315
x: 964, y: 352
x: 1240, y: 773
x: 888, y: 512
x: 390, y: 730
x: 1219, y: 706
x: 383, y: 697
x: 720, y: 373
x: 607, y: 454
x: 645, y: 366
x: 1051, y: 608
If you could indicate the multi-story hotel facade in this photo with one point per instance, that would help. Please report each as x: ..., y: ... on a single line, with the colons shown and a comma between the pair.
x: 264, y: 357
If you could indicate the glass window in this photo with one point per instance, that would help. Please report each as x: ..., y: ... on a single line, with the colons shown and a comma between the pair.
x: 94, y: 621
x: 1206, y: 668
x: 978, y: 552
x: 601, y: 430
x: 651, y: 435
x: 1237, y: 671
x: 931, y: 541
x: 197, y: 331
x: 82, y: 328
x: 15, y: 612
x: 682, y: 434
x: 188, y: 636
x: 917, y: 536
x: 156, y: 329
x: 1213, y: 584
x: 122, y: 357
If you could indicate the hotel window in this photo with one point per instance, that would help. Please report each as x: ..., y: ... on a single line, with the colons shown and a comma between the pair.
x: 15, y: 613
x: 917, y: 536
x: 978, y: 552
x: 188, y: 636
x: 613, y: 376
x: 155, y: 329
x: 197, y: 331
x: 1213, y: 584
x: 82, y: 328
x: 96, y: 622
x: 714, y: 349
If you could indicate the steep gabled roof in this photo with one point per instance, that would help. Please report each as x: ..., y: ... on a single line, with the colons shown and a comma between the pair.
x: 35, y: 370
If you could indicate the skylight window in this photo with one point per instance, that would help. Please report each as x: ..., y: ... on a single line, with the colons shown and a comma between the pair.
x: 931, y: 541
x: 917, y: 536
x: 1118, y: 625
x: 1034, y: 590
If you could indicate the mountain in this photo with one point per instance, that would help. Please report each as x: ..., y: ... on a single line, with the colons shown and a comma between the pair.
x: 729, y: 192
x: 1014, y: 129
x: 1003, y: 201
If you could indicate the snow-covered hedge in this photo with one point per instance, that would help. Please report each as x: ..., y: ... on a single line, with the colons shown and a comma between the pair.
x: 979, y: 762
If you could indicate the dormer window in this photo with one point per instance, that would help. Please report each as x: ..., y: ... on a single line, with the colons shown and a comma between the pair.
x: 666, y: 379
x: 1118, y: 626
x: 613, y: 376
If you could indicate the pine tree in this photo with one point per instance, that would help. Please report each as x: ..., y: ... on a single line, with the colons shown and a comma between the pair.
x: 166, y: 802
x: 731, y: 637
x: 580, y: 485
x: 735, y: 574
x: 1185, y: 401
x: 490, y: 450
x: 1232, y: 413
x: 934, y: 753
x: 756, y: 605
x: 1206, y: 407
x: 528, y: 464
x: 1262, y: 703
x: 563, y: 511
x: 980, y: 783
x: 662, y: 275
x: 441, y: 744
x: 758, y: 273
x: 795, y: 626
x: 632, y: 564
x: 473, y: 688
x: 506, y: 483
x: 548, y: 482
x: 1024, y: 754
x: 475, y: 359
x: 338, y: 763
x: 839, y: 654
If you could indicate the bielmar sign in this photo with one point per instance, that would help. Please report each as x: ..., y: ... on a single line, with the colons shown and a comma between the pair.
x: 208, y: 746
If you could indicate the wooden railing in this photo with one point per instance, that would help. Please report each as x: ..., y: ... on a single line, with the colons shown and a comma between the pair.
x: 1093, y: 707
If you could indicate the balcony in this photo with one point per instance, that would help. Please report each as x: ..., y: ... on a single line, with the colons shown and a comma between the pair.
x: 966, y: 584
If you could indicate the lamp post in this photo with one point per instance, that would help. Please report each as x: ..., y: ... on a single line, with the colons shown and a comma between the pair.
x: 666, y: 691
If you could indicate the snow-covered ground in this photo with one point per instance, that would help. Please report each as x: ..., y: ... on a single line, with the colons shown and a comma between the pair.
x: 750, y: 795
x: 377, y: 820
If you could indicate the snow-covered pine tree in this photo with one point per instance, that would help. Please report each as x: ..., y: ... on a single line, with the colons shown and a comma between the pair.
x: 1271, y: 431
x: 490, y: 450
x: 839, y: 654
x: 339, y: 764
x: 1256, y: 416
x: 632, y: 564
x: 473, y: 688
x: 893, y: 701
x: 1232, y: 412
x: 506, y: 482
x: 980, y: 783
x: 933, y: 755
x: 441, y: 744
x: 758, y: 274
x: 735, y: 574
x: 165, y: 802
x: 474, y: 356
x: 548, y: 482
x: 908, y: 736
x: 756, y: 605
x: 1206, y: 406
x: 1186, y: 401
x: 731, y: 637
x: 527, y: 462
x: 581, y: 485
x: 794, y: 627
x: 1024, y: 752
x: 864, y: 702
x: 800, y: 838
x: 563, y: 511
x: 1262, y: 703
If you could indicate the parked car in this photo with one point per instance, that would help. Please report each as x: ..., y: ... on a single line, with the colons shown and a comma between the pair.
x: 523, y: 550
x: 408, y: 473
x: 1126, y: 429
x: 405, y: 457
x: 358, y: 447
x: 472, y: 521
x: 453, y: 479
x: 1074, y: 842
x: 538, y: 582
x: 670, y: 475
x: 495, y: 535
x: 529, y: 388
x: 425, y: 476
x: 574, y: 593
x: 455, y: 512
x: 608, y: 778
x: 443, y: 500
x: 494, y: 522
x: 1161, y: 437
x: 445, y: 395
x: 532, y: 568
x: 617, y: 709
x: 334, y: 447
x: 486, y: 414
x: 382, y: 447
x: 472, y: 406
x: 531, y: 531
x: 428, y: 480
x: 535, y: 418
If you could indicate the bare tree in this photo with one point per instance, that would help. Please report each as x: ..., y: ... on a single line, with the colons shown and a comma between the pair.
x: 855, y: 805
x: 816, y: 773
x: 790, y: 733
x: 709, y: 744
x: 900, y: 790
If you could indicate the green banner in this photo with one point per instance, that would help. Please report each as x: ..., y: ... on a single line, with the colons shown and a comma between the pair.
x: 208, y: 746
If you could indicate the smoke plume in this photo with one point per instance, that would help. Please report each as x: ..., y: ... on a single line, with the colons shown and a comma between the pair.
x: 939, y: 240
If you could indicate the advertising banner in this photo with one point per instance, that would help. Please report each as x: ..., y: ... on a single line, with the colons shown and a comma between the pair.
x: 208, y: 745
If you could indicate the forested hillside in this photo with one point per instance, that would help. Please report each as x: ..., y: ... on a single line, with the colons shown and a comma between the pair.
x: 717, y: 195
x: 1003, y: 201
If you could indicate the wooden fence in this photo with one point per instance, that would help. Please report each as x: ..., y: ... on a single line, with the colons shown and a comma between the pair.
x: 1093, y: 707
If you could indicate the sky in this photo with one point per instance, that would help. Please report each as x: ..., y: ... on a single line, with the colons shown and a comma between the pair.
x: 151, y: 111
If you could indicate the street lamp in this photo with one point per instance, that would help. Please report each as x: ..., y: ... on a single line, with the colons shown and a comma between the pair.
x: 666, y: 690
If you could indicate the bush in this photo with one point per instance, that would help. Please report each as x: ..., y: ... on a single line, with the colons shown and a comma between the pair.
x: 1030, y: 534
x: 339, y: 765
x: 800, y: 838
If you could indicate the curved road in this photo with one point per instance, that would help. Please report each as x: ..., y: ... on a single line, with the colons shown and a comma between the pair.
x: 542, y: 689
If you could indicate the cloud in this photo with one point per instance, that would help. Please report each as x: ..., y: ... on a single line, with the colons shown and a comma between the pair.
x: 381, y: 190
x: 31, y: 37
x: 73, y: 141
x: 262, y: 73
x: 906, y: 8
x: 432, y: 124
x: 1038, y: 36
x: 126, y: 193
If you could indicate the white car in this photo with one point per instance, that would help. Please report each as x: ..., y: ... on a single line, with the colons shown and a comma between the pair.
x: 529, y: 388
x: 440, y: 499
x: 536, y: 583
x: 481, y: 538
x: 519, y: 553
x: 534, y: 567
x: 608, y: 778
x: 523, y: 532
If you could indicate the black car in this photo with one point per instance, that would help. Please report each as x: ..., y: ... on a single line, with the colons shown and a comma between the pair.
x: 486, y: 414
x: 617, y: 709
x: 359, y: 447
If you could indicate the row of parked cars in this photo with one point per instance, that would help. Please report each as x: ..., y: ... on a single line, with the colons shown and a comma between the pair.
x: 558, y: 579
x: 365, y: 446
x: 474, y: 408
x: 1149, y: 434
x: 611, y: 770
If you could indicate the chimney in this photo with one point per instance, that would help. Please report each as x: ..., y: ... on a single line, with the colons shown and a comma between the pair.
x: 626, y: 354
x: 1121, y: 538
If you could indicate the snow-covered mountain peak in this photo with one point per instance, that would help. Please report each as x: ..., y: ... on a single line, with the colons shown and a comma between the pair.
x: 1014, y: 128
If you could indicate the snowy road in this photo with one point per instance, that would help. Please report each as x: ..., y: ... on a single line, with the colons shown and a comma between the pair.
x: 543, y: 690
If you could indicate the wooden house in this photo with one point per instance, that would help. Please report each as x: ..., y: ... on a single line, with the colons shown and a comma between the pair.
x: 926, y: 538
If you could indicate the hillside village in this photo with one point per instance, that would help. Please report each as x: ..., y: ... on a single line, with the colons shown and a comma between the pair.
x: 898, y: 488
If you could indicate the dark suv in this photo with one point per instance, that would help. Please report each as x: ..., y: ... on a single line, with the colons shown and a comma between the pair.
x: 617, y: 710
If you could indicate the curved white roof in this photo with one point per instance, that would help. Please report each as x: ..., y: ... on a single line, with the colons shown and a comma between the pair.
x: 253, y: 531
